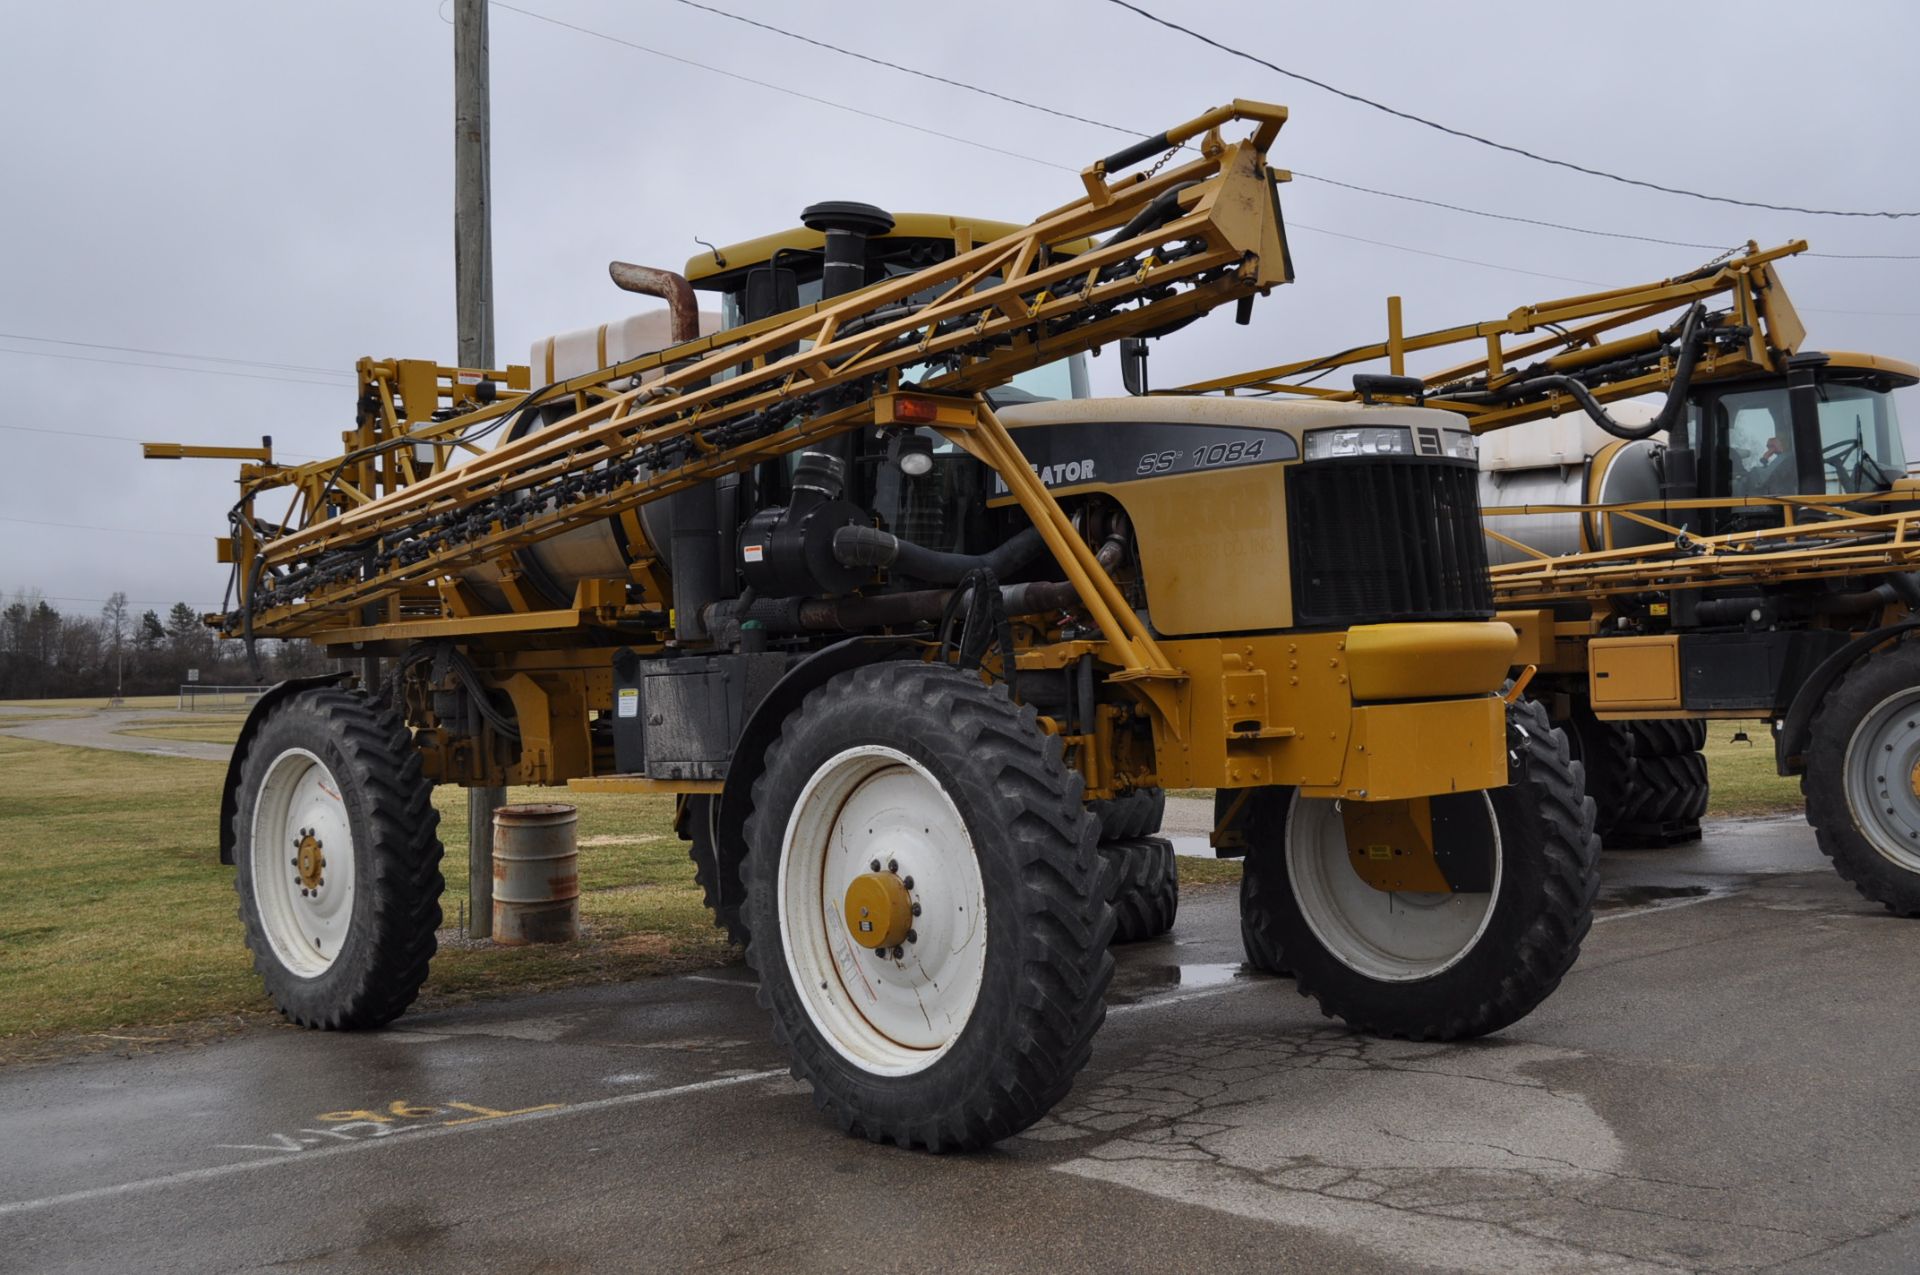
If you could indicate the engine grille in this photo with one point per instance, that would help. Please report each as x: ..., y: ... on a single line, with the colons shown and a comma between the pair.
x: 1381, y: 539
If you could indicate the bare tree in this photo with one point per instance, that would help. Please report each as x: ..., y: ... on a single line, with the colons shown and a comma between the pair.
x: 116, y: 626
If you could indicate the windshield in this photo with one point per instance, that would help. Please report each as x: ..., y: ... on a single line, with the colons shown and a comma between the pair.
x: 1860, y: 448
x: 1860, y: 444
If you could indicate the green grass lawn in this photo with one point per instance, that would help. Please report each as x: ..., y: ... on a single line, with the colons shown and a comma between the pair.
x: 95, y: 701
x: 214, y: 728
x: 114, y: 912
x: 1742, y: 775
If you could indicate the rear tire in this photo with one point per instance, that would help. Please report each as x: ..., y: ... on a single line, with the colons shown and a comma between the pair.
x: 1862, y: 760
x: 1530, y: 924
x: 940, y: 778
x: 1667, y: 796
x: 1138, y: 814
x: 338, y: 860
x: 1604, y: 750
x: 716, y: 869
x: 1666, y: 736
x: 1146, y: 896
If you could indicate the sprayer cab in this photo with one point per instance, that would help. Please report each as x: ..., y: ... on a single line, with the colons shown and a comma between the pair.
x: 1828, y: 426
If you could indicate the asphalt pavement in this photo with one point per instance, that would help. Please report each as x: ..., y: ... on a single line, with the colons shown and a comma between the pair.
x: 100, y: 728
x: 1724, y: 1082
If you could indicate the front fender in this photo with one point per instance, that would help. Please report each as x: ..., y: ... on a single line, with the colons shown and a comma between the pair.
x: 749, y: 754
x: 1790, y: 741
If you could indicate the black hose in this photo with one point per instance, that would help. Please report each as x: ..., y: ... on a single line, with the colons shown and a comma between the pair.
x: 1159, y: 210
x: 871, y: 547
x: 1906, y: 586
x: 1670, y: 412
x: 983, y: 623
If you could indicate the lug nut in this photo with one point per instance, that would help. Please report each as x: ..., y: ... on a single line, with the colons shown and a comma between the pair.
x: 893, y: 865
x: 908, y: 883
x: 916, y: 909
x: 899, y: 953
x: 912, y: 937
x: 876, y: 865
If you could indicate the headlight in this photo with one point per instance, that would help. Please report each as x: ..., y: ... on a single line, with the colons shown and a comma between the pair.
x: 1367, y: 440
x: 1459, y: 444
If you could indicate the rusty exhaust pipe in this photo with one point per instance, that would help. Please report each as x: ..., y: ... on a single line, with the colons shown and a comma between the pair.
x: 682, y: 310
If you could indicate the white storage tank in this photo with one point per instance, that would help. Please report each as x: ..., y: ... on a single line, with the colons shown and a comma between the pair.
x: 1568, y: 460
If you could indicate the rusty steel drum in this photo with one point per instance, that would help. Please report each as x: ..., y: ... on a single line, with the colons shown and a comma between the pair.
x: 536, y: 874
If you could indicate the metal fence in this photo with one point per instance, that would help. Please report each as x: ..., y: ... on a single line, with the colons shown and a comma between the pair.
x: 195, y: 696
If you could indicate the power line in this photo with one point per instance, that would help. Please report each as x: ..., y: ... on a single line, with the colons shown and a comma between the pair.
x: 1329, y: 181
x: 1863, y: 314
x: 175, y: 354
x: 1295, y: 225
x: 1422, y: 252
x: 1292, y: 224
x: 779, y: 88
x: 1487, y: 141
x: 114, y: 438
x: 925, y: 75
x: 1527, y: 221
x: 118, y: 531
x: 170, y: 367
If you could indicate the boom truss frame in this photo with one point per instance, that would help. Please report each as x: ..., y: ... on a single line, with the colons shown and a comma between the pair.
x: 348, y: 554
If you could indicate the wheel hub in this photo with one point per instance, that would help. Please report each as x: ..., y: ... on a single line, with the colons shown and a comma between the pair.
x: 1913, y: 779
x: 879, y: 911
x: 309, y: 862
x: 875, y: 841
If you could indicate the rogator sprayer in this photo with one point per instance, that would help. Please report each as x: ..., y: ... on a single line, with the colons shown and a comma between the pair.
x: 916, y: 647
x: 1741, y: 546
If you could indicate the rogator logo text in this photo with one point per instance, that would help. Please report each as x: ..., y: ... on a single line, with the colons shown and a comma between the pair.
x: 1061, y: 474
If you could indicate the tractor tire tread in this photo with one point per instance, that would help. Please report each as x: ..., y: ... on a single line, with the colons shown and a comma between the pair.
x: 1146, y: 887
x: 1001, y: 766
x: 396, y: 931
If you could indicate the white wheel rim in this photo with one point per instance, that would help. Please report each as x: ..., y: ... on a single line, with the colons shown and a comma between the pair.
x: 306, y: 926
x: 1880, y: 761
x: 889, y: 1017
x: 1388, y: 936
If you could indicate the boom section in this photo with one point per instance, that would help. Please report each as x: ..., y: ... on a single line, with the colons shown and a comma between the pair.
x: 1169, y: 246
x: 1522, y: 361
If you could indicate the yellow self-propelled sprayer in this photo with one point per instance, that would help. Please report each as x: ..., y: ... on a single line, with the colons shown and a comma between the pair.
x: 917, y: 634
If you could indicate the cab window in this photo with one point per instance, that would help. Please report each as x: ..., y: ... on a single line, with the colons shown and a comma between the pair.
x: 1860, y: 444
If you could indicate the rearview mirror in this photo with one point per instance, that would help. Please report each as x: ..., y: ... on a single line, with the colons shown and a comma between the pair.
x: 1133, y: 364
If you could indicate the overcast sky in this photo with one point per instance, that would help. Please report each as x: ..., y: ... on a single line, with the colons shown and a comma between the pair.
x: 272, y: 182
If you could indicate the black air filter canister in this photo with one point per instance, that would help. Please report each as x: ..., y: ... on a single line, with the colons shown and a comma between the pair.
x: 847, y: 226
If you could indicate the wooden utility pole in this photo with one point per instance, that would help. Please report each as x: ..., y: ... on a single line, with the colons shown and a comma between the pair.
x: 473, y: 298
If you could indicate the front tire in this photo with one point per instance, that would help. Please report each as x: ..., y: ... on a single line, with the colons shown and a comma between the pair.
x: 1432, y: 966
x: 1862, y: 781
x: 338, y: 857
x: 971, y: 1028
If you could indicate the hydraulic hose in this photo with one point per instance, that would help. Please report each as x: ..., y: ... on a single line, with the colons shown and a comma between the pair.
x: 1159, y: 210
x: 1670, y: 412
x: 871, y: 547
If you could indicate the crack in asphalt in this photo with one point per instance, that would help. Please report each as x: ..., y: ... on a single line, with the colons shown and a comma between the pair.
x: 1524, y: 1176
